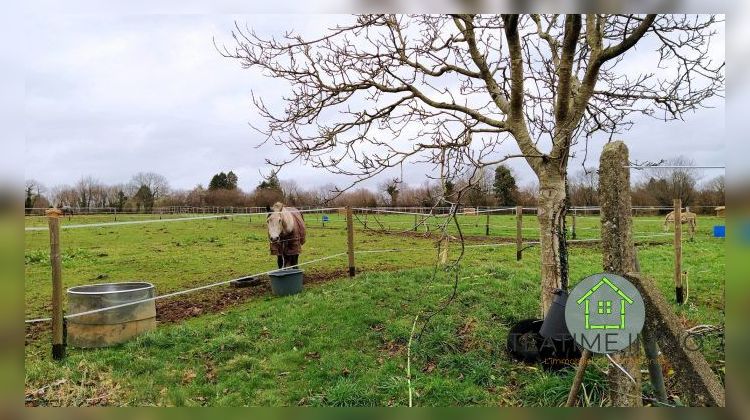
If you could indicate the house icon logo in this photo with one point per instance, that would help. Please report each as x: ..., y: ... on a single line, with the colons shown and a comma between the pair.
x: 603, y: 303
x: 608, y: 313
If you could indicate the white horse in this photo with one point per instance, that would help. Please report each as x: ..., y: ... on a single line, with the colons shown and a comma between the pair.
x: 286, y: 233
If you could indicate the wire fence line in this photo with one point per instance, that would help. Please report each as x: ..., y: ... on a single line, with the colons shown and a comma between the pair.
x: 316, y: 210
x: 223, y: 216
x: 131, y: 222
x: 162, y: 220
x: 33, y: 212
x: 412, y: 249
x: 337, y: 255
x: 180, y: 292
x: 419, y: 211
x: 370, y: 251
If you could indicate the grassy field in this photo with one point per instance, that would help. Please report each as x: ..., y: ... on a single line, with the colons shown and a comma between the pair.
x: 342, y: 341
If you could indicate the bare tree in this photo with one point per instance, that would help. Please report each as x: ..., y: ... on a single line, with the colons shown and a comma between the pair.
x: 291, y: 191
x: 33, y: 194
x: 391, y: 188
x: 156, y: 183
x: 64, y: 195
x: 584, y: 188
x: 666, y: 184
x: 89, y: 191
x: 717, y: 188
x: 451, y: 90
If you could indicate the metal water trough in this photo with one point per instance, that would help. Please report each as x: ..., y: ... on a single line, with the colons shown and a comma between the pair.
x: 113, y: 326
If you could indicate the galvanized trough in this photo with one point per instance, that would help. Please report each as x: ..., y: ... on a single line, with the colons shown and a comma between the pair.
x: 114, y: 326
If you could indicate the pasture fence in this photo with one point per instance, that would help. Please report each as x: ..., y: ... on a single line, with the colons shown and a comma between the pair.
x: 661, y: 328
x: 421, y: 219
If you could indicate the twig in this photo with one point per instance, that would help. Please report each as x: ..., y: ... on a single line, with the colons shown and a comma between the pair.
x: 408, y: 357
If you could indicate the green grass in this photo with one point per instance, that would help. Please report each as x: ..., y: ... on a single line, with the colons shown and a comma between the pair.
x: 338, y: 343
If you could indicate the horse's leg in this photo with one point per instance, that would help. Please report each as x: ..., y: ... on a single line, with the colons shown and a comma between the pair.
x: 293, y: 259
x: 280, y: 260
x: 692, y: 229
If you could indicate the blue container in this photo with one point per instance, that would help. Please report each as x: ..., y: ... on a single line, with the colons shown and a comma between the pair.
x: 287, y: 281
x: 720, y: 231
x: 325, y: 217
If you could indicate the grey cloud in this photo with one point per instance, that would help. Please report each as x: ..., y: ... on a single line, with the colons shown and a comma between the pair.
x: 111, y: 95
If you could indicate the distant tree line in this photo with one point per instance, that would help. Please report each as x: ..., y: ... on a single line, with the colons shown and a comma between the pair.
x: 486, y: 187
x: 657, y: 187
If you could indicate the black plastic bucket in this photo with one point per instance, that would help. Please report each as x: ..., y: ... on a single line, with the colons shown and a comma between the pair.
x: 287, y: 281
x: 524, y: 340
x: 554, y: 325
x: 558, y: 348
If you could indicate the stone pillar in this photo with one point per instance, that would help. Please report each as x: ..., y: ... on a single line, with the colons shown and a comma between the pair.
x: 618, y: 252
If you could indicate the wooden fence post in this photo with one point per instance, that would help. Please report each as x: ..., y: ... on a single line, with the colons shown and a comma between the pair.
x: 350, y: 240
x: 678, y: 250
x: 573, y: 235
x: 519, y: 233
x: 487, y: 224
x: 416, y: 223
x: 58, y: 344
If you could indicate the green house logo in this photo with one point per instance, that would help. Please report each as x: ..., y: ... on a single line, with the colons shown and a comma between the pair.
x: 605, y: 313
x: 602, y: 295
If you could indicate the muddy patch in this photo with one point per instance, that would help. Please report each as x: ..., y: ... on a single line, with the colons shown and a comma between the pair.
x: 174, y: 310
x: 465, y: 334
x: 171, y: 311
x: 392, y: 347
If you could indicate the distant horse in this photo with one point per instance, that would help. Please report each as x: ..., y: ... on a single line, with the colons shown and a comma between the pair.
x: 286, y: 233
x: 686, y: 217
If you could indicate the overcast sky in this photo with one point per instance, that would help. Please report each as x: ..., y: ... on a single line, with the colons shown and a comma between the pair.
x: 112, y: 95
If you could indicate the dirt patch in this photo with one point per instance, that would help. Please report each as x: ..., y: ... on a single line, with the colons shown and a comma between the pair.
x: 34, y: 331
x: 392, y: 347
x: 465, y: 334
x: 171, y: 311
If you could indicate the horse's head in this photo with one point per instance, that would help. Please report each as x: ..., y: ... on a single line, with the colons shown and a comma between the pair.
x: 275, y: 222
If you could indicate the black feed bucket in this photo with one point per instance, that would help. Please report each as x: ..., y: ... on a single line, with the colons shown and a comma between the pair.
x: 558, y: 348
x: 524, y: 340
x: 545, y: 341
x: 554, y: 326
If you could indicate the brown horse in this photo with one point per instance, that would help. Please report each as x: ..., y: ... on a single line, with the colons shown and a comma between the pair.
x: 286, y: 234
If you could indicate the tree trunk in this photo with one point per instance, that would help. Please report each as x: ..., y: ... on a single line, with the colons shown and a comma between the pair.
x: 551, y: 215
